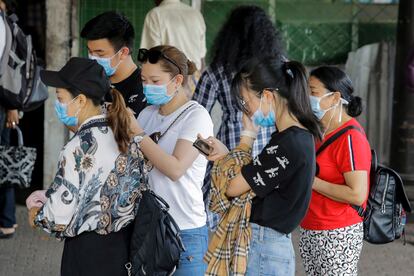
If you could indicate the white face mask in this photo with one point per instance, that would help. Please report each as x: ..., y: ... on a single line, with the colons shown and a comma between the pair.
x: 320, y: 113
x: 317, y: 109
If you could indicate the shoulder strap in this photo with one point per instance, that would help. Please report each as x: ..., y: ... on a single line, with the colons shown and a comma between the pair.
x: 176, y: 119
x: 334, y: 137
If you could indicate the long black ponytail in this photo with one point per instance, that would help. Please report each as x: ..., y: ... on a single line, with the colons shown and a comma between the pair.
x: 290, y: 80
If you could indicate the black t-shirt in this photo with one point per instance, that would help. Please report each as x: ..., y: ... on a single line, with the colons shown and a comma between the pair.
x: 131, y: 90
x: 282, y: 177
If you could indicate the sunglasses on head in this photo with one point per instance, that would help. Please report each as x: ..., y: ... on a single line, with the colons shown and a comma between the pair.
x: 153, y: 56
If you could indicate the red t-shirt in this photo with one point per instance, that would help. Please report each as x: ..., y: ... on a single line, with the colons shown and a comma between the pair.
x: 350, y: 152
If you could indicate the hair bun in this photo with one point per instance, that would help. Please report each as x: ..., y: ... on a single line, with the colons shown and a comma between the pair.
x: 191, y: 67
x: 354, y: 108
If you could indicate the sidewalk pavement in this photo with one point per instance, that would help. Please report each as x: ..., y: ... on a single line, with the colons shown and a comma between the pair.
x: 33, y: 252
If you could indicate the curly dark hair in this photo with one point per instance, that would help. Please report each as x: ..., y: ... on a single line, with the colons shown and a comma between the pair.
x: 248, y: 32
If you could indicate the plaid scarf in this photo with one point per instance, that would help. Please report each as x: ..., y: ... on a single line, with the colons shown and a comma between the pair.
x: 228, y: 248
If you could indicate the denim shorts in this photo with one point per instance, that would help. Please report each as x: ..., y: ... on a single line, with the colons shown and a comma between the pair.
x: 191, y: 261
x: 271, y: 253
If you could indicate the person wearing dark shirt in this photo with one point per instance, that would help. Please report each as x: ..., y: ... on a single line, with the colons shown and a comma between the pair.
x: 110, y: 40
x: 273, y: 92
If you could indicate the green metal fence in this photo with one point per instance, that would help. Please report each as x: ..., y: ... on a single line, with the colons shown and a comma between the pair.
x: 314, y: 31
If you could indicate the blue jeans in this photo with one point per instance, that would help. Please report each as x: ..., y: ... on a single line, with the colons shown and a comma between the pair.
x: 191, y: 261
x: 271, y: 253
x: 7, y: 207
x: 7, y: 204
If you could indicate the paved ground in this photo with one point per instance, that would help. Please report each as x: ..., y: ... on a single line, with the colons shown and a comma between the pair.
x: 32, y: 252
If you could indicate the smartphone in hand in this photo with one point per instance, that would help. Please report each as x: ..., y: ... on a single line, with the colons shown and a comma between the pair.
x: 203, y: 146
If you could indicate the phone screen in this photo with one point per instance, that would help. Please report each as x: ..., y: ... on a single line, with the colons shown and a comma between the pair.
x: 203, y: 147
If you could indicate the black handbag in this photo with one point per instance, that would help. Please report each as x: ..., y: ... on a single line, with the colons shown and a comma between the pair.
x: 17, y: 163
x: 156, y: 244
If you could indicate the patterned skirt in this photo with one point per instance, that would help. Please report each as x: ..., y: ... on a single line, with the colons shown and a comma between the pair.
x: 331, y: 252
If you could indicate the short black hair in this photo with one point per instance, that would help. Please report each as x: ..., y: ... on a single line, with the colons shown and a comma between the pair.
x: 113, y: 26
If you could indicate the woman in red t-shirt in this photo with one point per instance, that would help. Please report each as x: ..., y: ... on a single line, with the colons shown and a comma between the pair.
x: 332, y: 231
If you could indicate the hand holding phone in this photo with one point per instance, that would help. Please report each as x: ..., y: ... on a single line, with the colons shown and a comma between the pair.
x: 203, y: 146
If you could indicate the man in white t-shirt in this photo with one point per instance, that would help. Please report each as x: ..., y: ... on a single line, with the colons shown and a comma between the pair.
x: 176, y: 24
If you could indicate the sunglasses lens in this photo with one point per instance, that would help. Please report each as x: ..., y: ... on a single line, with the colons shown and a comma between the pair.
x: 142, y: 55
x: 154, y: 56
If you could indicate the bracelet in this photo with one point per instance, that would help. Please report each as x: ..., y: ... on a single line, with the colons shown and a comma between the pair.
x: 249, y: 133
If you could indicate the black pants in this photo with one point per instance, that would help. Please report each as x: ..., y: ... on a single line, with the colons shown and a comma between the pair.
x: 91, y: 254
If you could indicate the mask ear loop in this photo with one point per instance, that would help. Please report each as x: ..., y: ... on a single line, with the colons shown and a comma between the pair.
x: 329, y: 122
x: 166, y: 85
x: 116, y: 66
x: 77, y: 112
x: 342, y: 102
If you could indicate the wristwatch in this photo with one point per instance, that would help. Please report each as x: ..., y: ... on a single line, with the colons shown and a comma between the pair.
x: 138, y: 138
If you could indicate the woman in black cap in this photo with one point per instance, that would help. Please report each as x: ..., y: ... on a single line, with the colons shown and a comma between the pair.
x: 92, y: 199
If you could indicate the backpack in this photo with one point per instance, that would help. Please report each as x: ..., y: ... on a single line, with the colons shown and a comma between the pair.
x: 384, y: 217
x: 156, y: 245
x: 20, y: 84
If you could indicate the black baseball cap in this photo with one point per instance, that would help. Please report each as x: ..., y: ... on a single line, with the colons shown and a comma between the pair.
x: 82, y: 74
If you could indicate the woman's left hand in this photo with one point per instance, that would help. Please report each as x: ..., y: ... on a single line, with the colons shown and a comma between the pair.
x: 218, y: 148
x: 133, y: 124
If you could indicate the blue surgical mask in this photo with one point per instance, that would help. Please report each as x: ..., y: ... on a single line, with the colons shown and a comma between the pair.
x: 157, y: 94
x: 106, y: 63
x: 61, y: 110
x: 316, y: 105
x: 260, y: 119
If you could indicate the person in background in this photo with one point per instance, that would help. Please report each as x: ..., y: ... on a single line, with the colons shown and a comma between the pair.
x: 110, y: 41
x: 248, y: 33
x: 331, y: 235
x: 166, y: 132
x: 92, y: 200
x: 176, y: 24
x: 270, y: 91
x: 8, y: 119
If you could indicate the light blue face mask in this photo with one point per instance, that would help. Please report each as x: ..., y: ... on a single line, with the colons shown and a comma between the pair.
x: 61, y: 110
x: 260, y: 119
x: 106, y: 63
x: 157, y: 94
x: 316, y: 105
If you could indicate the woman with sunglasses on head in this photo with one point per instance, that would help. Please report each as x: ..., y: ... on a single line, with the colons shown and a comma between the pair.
x: 178, y: 170
x: 334, y: 220
x: 272, y: 91
x: 93, y: 197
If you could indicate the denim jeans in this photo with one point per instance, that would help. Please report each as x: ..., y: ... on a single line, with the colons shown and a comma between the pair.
x: 7, y: 207
x: 271, y: 253
x: 191, y: 261
x: 7, y: 204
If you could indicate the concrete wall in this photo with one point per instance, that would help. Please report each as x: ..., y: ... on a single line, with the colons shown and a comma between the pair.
x: 58, y: 45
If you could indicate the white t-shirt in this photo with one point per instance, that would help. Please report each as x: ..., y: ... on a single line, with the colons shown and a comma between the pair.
x: 184, y: 196
x: 179, y: 25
